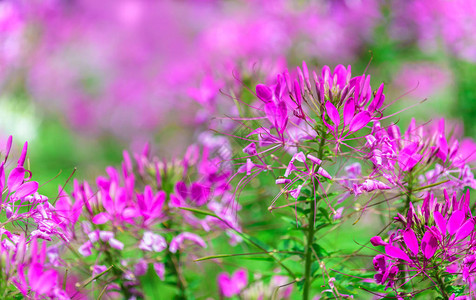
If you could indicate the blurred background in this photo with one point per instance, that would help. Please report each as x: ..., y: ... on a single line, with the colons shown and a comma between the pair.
x: 83, y: 79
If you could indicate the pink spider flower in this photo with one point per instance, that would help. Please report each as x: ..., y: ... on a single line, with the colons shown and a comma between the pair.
x: 435, y: 235
x: 394, y: 155
x: 230, y: 286
x: 178, y: 242
x: 313, y: 170
x: 39, y: 280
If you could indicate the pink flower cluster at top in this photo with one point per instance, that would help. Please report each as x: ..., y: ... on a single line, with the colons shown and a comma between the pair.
x: 435, y: 236
x: 431, y: 23
x: 121, y: 66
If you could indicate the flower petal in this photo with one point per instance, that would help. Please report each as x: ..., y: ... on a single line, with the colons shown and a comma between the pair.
x: 359, y: 121
x: 455, y: 221
x: 440, y: 222
x: 349, y: 110
x: 396, y: 253
x: 26, y: 189
x: 101, y: 218
x: 411, y: 241
x: 429, y: 244
x: 333, y: 113
x: 464, y: 230
x: 264, y: 93
x: 377, y: 241
x: 15, y: 178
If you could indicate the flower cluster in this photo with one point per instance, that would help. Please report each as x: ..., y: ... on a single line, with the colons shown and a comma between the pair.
x: 309, y: 120
x: 148, y: 204
x: 436, y: 241
x: 26, y: 265
x: 424, y: 152
x: 319, y: 139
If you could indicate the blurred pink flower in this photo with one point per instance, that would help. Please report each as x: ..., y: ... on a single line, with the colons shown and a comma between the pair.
x: 231, y: 286
x: 422, y: 79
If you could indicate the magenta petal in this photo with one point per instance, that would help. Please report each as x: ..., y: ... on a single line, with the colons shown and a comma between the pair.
x: 226, y: 286
x: 129, y: 213
x: 47, y: 282
x: 333, y: 113
x: 442, y: 147
x: 160, y: 270
x: 8, y: 147
x: 2, y: 176
x: 160, y: 199
x: 21, y: 160
x: 377, y: 241
x: 314, y: 159
x: 21, y: 282
x: 240, y: 279
x: 324, y: 173
x: 299, y: 157
x: 297, y: 93
x: 101, y: 218
x: 181, y: 189
x: 378, y: 99
x: 396, y: 253
x: 411, y: 241
x: 116, y: 244
x: 281, y: 116
x: 26, y: 189
x: 34, y: 274
x: 467, y: 199
x: 295, y: 193
x: 349, y: 110
x: 440, y: 222
x: 455, y: 221
x: 176, y: 201
x: 331, y: 128
x: 199, y: 193
x: 359, y: 121
x: 429, y: 244
x: 15, y: 179
x: 464, y: 230
x: 264, y: 93
x: 178, y: 241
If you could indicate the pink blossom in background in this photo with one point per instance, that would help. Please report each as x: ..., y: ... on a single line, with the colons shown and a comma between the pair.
x: 11, y: 30
x: 435, y: 24
x: 422, y: 80
x: 336, y: 31
x: 232, y: 285
x: 120, y: 67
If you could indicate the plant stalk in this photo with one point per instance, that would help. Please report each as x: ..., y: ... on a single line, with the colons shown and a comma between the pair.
x: 441, y: 286
x: 310, y: 239
x: 311, y: 229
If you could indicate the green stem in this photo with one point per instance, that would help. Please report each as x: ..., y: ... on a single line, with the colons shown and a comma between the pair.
x: 88, y: 281
x: 441, y: 286
x: 409, y: 193
x: 245, y: 237
x: 311, y: 230
x: 173, y: 263
x: 118, y: 273
x: 310, y: 239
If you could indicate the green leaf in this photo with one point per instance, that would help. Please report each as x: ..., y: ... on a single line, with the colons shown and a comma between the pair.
x: 291, y: 221
x: 321, y: 252
x: 199, y: 211
x: 325, y: 214
x: 314, y: 267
